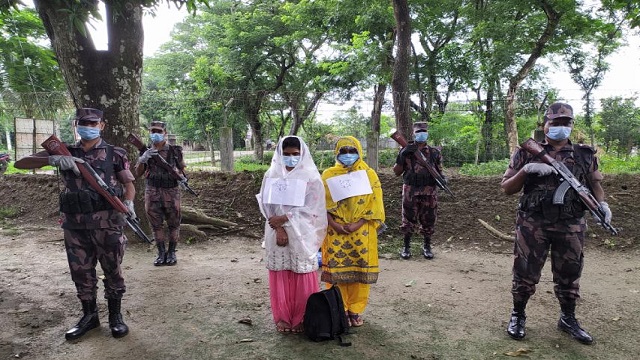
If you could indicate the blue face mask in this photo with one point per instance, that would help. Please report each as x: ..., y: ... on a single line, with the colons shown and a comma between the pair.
x: 348, y: 159
x: 290, y: 161
x: 422, y: 137
x: 157, y: 138
x: 559, y: 132
x: 88, y: 132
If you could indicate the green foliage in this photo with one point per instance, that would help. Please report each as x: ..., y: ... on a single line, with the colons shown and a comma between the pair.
x: 12, y: 169
x: 9, y: 212
x: 387, y: 157
x: 491, y: 168
x: 620, y: 120
x: 616, y: 165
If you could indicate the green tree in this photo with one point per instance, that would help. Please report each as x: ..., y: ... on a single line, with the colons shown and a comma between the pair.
x: 107, y: 79
x: 30, y: 81
x: 620, y: 120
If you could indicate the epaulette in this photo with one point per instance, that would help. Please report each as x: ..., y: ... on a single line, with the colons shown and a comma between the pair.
x: 585, y: 147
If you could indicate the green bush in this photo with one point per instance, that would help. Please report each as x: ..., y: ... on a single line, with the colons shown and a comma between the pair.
x: 617, y: 165
x: 491, y: 168
x: 387, y: 157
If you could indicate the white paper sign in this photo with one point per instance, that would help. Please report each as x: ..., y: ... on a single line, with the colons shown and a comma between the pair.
x: 284, y: 191
x: 348, y: 185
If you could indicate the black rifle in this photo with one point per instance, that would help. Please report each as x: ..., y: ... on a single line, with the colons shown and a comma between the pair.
x: 175, y: 173
x: 569, y: 181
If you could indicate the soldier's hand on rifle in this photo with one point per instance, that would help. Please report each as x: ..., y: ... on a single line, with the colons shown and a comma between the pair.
x: 409, y: 150
x: 65, y: 162
x: 541, y: 169
x: 607, y: 212
x: 132, y: 211
x: 147, y: 155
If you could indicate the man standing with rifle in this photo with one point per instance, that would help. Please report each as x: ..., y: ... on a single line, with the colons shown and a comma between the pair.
x: 419, y: 194
x: 92, y: 227
x: 546, y: 224
x: 162, y: 194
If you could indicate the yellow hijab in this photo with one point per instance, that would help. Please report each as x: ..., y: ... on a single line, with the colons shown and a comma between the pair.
x: 369, y: 206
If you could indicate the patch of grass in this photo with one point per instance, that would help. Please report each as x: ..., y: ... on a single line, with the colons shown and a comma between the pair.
x: 617, y: 165
x: 11, y: 232
x: 9, y: 212
x: 491, y: 168
x: 12, y: 170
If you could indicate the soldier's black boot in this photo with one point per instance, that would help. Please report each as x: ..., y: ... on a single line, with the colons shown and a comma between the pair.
x: 116, y: 324
x: 570, y: 325
x: 162, y: 255
x: 171, y: 254
x: 90, y: 320
x: 426, y: 248
x: 405, y: 253
x: 518, y: 318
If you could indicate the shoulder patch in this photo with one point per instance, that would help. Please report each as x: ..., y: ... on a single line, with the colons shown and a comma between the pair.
x: 585, y: 147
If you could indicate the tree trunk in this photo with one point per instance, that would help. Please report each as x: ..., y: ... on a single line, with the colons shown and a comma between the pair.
x: 487, y: 125
x: 299, y: 117
x: 107, y: 80
x: 374, y: 134
x: 553, y: 19
x: 400, y: 82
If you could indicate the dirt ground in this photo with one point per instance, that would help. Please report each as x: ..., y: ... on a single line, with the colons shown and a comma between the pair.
x: 453, y: 307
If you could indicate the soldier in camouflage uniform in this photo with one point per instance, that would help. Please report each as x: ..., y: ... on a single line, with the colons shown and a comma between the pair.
x: 419, y: 195
x: 162, y: 194
x: 542, y: 226
x: 92, y: 228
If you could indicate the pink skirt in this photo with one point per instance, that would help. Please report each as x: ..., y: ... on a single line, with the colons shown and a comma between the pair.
x: 289, y: 292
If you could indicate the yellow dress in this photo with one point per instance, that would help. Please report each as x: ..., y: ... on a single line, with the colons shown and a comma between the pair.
x: 353, y: 258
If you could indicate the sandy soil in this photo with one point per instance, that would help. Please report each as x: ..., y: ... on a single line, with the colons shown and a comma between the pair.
x: 453, y: 307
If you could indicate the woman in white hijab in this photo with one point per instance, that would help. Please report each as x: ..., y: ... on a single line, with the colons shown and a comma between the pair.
x: 292, y: 199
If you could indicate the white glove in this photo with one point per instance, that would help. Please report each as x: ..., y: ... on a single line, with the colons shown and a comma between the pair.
x: 541, y: 169
x: 147, y: 155
x: 607, y: 212
x: 65, y: 162
x: 132, y: 211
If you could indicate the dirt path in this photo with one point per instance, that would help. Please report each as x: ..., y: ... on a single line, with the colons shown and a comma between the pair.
x: 456, y: 307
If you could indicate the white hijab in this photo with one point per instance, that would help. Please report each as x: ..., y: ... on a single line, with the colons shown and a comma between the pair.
x: 307, y: 224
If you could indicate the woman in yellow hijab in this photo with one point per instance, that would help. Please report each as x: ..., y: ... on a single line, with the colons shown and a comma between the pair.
x: 350, y: 248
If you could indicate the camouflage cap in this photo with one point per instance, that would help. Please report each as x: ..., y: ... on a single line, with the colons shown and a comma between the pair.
x: 559, y: 110
x: 160, y: 125
x: 422, y: 125
x: 89, y: 114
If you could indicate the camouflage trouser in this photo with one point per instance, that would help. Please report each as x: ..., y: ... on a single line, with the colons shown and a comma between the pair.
x: 163, y: 204
x: 530, y: 251
x: 84, y: 249
x: 419, y: 209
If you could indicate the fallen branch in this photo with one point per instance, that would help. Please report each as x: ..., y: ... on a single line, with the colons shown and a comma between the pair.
x: 500, y: 235
x: 196, y: 216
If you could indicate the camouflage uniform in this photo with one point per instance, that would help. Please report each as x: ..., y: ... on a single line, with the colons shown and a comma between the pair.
x: 162, y: 195
x: 419, y: 195
x: 95, y: 236
x: 542, y: 226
